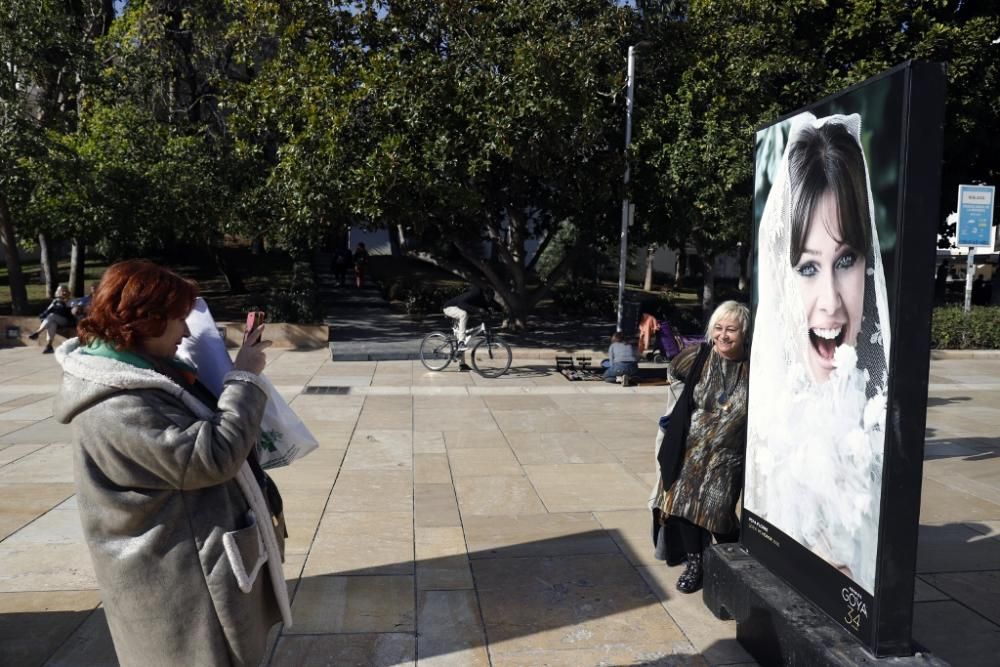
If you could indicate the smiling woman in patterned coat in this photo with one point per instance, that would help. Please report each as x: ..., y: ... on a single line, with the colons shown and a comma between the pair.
x: 701, y: 459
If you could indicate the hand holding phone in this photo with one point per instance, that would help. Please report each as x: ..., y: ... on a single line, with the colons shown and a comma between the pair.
x: 255, y: 319
x: 251, y: 356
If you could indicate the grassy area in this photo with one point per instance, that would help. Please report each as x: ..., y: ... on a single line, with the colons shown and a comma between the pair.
x: 259, y: 274
x: 35, y: 283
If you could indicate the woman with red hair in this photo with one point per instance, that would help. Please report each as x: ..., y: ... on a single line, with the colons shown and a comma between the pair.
x: 183, y: 526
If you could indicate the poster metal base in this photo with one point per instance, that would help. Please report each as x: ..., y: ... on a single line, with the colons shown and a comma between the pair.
x: 776, y: 625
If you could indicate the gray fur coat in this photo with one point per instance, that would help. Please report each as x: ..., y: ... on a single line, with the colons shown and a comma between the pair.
x: 182, y: 541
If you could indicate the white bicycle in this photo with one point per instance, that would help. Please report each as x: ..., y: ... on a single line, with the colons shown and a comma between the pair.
x: 490, y: 356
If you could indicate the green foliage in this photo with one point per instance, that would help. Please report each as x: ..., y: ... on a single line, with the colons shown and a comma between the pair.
x: 298, y: 304
x: 460, y: 122
x: 583, y: 298
x: 715, y: 70
x: 479, y: 128
x: 422, y: 300
x: 953, y: 329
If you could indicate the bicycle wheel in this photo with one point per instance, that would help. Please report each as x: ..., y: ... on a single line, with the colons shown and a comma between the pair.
x: 491, y: 358
x: 436, y: 351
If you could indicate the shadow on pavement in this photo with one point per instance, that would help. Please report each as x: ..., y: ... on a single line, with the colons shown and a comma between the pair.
x: 965, y: 449
x: 573, y: 592
x: 577, y: 591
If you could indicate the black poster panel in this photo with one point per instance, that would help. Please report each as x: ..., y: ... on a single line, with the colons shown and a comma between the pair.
x: 845, y: 200
x: 920, y: 186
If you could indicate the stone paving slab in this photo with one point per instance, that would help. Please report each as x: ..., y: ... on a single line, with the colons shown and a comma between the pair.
x: 449, y: 519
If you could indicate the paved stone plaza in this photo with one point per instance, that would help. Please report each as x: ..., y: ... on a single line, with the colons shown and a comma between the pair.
x: 452, y: 520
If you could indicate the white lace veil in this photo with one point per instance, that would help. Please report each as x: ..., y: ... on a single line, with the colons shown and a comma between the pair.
x: 815, y: 450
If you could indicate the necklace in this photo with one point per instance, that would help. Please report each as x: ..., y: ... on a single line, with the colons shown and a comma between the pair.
x: 722, y: 399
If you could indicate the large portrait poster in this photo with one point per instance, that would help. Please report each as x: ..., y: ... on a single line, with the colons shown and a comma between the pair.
x: 828, y: 199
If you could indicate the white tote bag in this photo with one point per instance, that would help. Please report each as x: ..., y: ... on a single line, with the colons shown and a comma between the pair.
x: 283, y: 436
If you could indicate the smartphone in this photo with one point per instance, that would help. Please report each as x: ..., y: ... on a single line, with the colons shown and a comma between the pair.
x: 255, y: 318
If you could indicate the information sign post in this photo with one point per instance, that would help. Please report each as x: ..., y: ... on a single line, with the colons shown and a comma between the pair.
x: 975, y: 227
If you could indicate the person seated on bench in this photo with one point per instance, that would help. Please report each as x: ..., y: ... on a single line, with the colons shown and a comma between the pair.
x: 57, y: 315
x: 623, y: 360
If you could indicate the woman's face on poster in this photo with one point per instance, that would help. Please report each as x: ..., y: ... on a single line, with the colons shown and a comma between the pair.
x: 832, y: 284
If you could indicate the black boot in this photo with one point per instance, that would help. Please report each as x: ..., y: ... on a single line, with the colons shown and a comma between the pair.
x: 690, y: 579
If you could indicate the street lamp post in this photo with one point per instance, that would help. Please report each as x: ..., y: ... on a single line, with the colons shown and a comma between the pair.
x: 627, y: 210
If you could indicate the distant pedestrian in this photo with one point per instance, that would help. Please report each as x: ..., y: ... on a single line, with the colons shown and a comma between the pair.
x: 995, y: 286
x: 58, y: 314
x: 941, y: 281
x: 360, y: 264
x: 981, y: 291
x: 341, y: 260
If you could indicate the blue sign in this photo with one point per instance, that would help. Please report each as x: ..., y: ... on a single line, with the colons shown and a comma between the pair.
x: 975, y: 215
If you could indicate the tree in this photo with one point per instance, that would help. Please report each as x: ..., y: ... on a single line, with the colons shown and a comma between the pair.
x: 47, y: 51
x: 480, y: 128
x: 494, y: 126
x: 743, y: 63
x: 156, y: 133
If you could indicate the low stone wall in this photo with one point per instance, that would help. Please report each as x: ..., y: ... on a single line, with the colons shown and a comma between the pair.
x: 14, y: 333
x: 297, y: 336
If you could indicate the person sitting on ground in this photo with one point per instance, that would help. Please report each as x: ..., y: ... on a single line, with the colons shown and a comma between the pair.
x: 473, y: 300
x: 58, y: 314
x: 623, y: 360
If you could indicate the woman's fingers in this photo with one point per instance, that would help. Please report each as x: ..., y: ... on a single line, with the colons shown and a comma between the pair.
x: 254, y: 336
x: 251, y: 356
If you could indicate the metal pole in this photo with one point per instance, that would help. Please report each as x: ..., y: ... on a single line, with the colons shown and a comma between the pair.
x: 970, y: 269
x: 623, y: 254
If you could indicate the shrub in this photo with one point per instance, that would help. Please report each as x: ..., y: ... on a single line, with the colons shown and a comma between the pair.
x: 953, y: 329
x: 298, y: 304
x: 422, y: 300
x: 397, y: 291
x: 581, y: 298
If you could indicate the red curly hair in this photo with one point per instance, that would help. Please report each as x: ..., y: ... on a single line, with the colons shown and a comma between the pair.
x: 133, y: 302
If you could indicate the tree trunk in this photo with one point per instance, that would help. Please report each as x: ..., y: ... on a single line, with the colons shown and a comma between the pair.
x: 8, y: 239
x: 516, y: 317
x: 708, y: 290
x: 680, y: 269
x: 744, y: 262
x: 50, y: 270
x: 77, y: 257
x: 650, y: 255
x: 395, y: 240
x: 232, y: 277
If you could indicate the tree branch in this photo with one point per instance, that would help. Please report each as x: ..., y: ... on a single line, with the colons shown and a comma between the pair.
x: 555, y: 274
